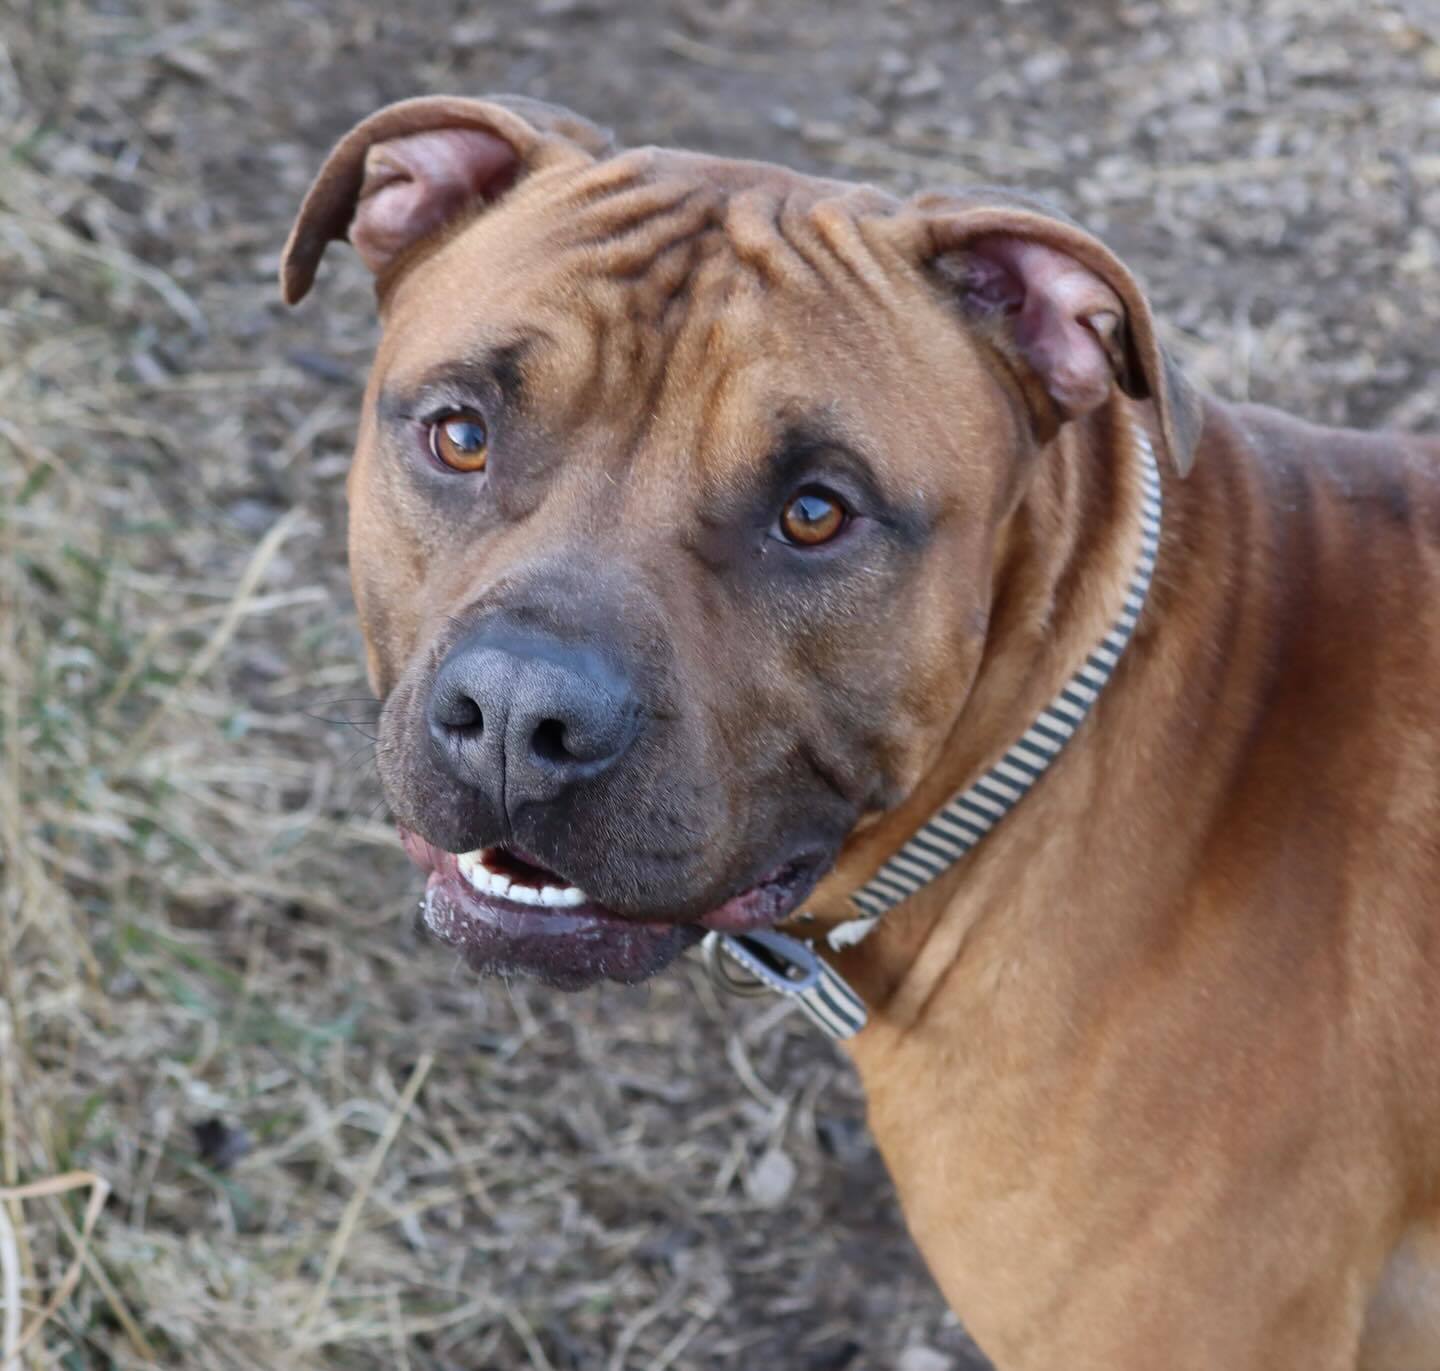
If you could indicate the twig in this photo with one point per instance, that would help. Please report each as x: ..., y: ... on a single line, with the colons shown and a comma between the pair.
x: 538, y: 1360
x: 368, y: 1173
x: 708, y: 55
x: 203, y: 660
x: 101, y: 1277
x: 9, y: 1294
x: 395, y: 1318
x: 51, y: 1186
x: 637, y: 1325
x: 682, y: 1339
x: 872, y: 154
x: 122, y: 262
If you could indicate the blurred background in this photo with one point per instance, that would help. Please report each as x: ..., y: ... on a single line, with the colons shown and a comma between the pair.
x: 326, y: 1146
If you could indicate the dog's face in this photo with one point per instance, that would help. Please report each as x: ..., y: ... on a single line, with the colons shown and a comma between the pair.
x: 674, y: 517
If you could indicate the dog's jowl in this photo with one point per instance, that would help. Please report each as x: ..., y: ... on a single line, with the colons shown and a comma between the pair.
x: 731, y: 543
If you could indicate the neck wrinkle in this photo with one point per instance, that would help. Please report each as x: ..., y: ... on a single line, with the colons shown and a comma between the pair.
x: 1062, y: 562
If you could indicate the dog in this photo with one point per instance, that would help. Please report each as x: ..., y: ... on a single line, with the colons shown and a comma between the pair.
x: 714, y: 526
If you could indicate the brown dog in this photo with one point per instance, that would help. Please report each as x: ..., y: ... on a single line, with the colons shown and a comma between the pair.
x: 712, y: 525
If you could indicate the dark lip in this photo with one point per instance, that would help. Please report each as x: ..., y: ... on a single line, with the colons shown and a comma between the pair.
x: 579, y: 945
x: 772, y: 898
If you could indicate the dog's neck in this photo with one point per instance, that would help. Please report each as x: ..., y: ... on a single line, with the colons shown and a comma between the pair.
x: 1062, y: 564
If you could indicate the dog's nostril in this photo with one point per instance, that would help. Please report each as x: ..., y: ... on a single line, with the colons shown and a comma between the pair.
x: 523, y: 719
x: 463, y: 715
x: 548, y: 741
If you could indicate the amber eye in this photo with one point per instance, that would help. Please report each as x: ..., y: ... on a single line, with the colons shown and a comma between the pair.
x: 812, y: 517
x: 460, y: 441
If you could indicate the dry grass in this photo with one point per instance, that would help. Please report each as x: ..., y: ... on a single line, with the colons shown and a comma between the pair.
x: 325, y: 1147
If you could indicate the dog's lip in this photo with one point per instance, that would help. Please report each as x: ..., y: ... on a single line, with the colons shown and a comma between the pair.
x: 772, y: 898
x: 569, y: 948
x: 765, y: 903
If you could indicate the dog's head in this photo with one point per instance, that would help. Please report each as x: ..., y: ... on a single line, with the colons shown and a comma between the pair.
x: 675, y: 506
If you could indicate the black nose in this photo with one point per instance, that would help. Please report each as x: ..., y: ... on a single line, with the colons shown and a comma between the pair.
x: 523, y: 716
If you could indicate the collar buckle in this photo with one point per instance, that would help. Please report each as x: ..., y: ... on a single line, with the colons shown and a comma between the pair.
x: 764, y: 962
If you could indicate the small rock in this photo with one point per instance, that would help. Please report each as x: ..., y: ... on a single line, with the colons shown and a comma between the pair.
x: 664, y: 1244
x: 472, y: 33
x: 252, y: 515
x: 834, y: 1356
x: 124, y: 982
x: 1044, y: 67
x: 926, y: 81
x: 220, y: 1144
x: 920, y: 1358
x: 771, y: 1179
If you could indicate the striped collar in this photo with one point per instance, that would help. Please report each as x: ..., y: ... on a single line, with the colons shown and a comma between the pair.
x: 766, y: 961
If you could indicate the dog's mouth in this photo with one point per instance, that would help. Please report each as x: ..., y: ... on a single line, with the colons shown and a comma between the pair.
x: 508, y: 914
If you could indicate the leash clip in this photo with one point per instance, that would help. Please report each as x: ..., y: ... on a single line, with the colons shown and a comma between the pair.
x: 764, y: 962
x: 761, y: 962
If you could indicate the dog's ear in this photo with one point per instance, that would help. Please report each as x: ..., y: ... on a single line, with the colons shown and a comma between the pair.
x: 1060, y: 304
x: 412, y: 168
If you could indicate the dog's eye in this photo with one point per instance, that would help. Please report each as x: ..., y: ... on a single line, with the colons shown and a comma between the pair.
x: 811, y: 517
x: 460, y: 441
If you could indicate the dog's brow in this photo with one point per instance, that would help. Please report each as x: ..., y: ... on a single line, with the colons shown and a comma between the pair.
x: 803, y: 437
x: 497, y: 368
x: 802, y: 440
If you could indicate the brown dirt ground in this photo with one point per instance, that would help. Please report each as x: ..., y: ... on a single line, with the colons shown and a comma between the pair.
x: 204, y: 915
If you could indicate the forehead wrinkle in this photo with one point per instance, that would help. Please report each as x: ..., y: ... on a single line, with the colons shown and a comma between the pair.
x: 723, y: 335
x: 655, y: 266
x: 672, y: 275
x: 626, y: 255
x: 569, y: 372
x: 593, y: 182
x: 720, y: 412
x: 706, y: 408
x: 663, y: 313
x: 624, y: 223
x: 836, y: 229
x: 755, y: 230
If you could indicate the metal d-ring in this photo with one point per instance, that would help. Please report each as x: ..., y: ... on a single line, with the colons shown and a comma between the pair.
x: 761, y: 962
x: 723, y: 971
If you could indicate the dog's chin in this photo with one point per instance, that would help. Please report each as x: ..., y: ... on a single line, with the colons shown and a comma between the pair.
x: 509, y: 916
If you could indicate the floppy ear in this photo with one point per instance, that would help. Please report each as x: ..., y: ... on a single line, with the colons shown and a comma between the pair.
x: 414, y: 167
x: 1061, y: 304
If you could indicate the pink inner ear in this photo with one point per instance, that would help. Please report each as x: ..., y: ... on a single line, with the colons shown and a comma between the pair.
x: 1063, y: 315
x: 415, y: 185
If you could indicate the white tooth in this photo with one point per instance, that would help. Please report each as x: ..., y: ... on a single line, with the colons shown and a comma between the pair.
x: 494, y: 883
x: 480, y: 877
